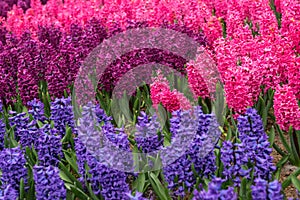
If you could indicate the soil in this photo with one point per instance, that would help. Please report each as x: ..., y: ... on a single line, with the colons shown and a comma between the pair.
x: 290, y: 192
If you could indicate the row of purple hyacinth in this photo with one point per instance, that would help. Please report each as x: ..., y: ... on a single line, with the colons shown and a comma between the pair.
x: 248, y: 157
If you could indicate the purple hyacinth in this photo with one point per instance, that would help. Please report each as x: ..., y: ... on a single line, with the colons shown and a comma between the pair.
x: 215, y: 191
x: 262, y: 190
x: 274, y: 190
x: 9, y: 193
x: 49, y: 147
x: 253, y: 148
x: 37, y: 110
x: 13, y: 167
x: 62, y: 115
x: 146, y: 136
x: 137, y: 196
x: 20, y: 121
x: 110, y: 183
x: 179, y: 174
x: 48, y: 184
x: 25, y: 131
x: 2, y: 133
x: 255, y: 143
x: 107, y: 182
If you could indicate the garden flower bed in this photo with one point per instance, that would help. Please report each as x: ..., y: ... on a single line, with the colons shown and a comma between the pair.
x: 136, y: 99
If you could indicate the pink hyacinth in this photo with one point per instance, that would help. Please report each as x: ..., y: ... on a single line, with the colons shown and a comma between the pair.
x: 161, y: 93
x: 286, y: 109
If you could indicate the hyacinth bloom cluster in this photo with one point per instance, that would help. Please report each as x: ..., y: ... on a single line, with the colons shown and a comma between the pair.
x: 215, y: 191
x: 199, y: 153
x: 7, y: 5
x: 9, y: 193
x: 62, y: 115
x: 146, y: 136
x: 261, y: 189
x: 48, y: 184
x: 13, y: 168
x: 286, y: 108
x: 107, y: 182
x: 254, y: 148
x: 259, y: 49
x: 161, y: 93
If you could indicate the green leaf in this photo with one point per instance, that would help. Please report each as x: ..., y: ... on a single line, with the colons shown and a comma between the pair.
x: 282, y: 161
x: 288, y: 180
x: 296, y: 182
x: 72, y: 161
x: 22, y: 190
x: 158, y: 187
x: 140, y: 182
x: 79, y: 193
x: 271, y: 136
x: 68, y: 177
x: 94, y: 197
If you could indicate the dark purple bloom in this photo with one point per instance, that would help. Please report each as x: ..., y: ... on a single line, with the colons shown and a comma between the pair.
x: 259, y: 189
x: 49, y: 147
x: 2, y: 133
x: 274, y: 191
x: 62, y: 115
x: 48, y: 184
x: 37, y: 110
x: 25, y: 131
x: 215, y: 191
x: 199, y: 152
x: 12, y: 166
x: 146, y: 136
x: 9, y: 193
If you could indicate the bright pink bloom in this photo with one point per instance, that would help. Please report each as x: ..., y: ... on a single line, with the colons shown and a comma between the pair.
x: 161, y: 93
x: 286, y: 108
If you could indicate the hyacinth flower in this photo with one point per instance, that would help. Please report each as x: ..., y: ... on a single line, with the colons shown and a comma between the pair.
x: 254, y: 148
x: 105, y: 181
x: 25, y: 131
x: 2, y: 130
x: 9, y: 193
x: 146, y: 136
x: 62, y: 115
x: 37, y: 110
x: 48, y: 184
x: 286, y: 109
x: 49, y: 148
x: 262, y: 190
x: 199, y: 153
x: 161, y: 93
x: 13, y: 167
x: 215, y: 191
x: 287, y: 114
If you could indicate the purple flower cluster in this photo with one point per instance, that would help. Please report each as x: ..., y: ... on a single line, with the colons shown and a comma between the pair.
x: 25, y: 131
x: 37, y: 110
x: 9, y: 193
x: 49, y: 147
x: 105, y: 181
x: 62, y: 115
x: 13, y: 167
x: 147, y: 137
x: 2, y: 130
x: 180, y: 175
x: 262, y: 190
x: 215, y: 191
x: 48, y: 184
x: 252, y: 153
x: 6, y: 5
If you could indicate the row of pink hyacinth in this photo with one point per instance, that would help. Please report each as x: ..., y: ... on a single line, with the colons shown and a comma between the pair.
x: 245, y: 62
